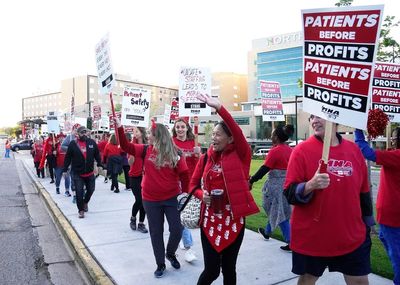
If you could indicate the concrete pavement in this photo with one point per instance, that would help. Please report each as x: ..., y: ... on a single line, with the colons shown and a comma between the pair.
x: 114, y: 253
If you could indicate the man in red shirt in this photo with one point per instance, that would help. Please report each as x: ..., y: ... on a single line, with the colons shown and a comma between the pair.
x: 332, y: 211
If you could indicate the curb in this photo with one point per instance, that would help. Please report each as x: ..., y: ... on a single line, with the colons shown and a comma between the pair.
x: 92, y: 269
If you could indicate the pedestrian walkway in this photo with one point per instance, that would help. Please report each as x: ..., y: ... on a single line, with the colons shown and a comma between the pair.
x: 127, y: 255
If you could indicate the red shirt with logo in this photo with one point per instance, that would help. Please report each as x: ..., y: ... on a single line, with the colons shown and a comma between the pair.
x: 340, y: 229
x: 278, y: 157
x: 38, y: 152
x: 388, y: 201
x: 187, y: 148
x: 82, y: 147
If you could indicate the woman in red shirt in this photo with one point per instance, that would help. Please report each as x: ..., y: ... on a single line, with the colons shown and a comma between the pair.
x: 227, y: 169
x: 166, y: 175
x: 37, y: 152
x: 183, y: 138
x: 274, y: 203
x: 113, y: 159
x: 135, y: 176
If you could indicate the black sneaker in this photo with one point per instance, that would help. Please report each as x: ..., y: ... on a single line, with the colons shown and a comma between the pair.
x: 142, y: 228
x: 116, y: 191
x: 261, y: 231
x: 52, y: 181
x: 174, y: 262
x: 58, y: 190
x: 159, y: 271
x: 286, y: 248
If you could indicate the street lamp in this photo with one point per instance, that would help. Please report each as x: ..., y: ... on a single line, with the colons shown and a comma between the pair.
x: 89, y: 121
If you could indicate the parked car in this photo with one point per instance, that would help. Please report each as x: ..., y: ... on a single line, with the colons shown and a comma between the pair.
x: 261, y: 152
x: 293, y: 143
x: 22, y: 145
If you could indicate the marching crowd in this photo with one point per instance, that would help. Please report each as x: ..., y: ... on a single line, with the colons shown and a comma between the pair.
x: 324, y: 215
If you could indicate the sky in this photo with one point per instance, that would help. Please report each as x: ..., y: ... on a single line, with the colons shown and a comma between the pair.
x: 46, y: 41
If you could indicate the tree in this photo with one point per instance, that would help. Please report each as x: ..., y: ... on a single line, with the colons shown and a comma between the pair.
x: 389, y: 48
x: 208, y: 128
x: 118, y: 107
x: 342, y: 3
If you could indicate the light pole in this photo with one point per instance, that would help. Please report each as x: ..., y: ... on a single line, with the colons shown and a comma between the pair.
x: 89, y: 121
x: 296, y: 113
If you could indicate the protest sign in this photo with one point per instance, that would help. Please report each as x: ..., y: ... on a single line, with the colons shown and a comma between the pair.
x: 96, y: 112
x: 271, y: 100
x: 386, y: 89
x: 136, y: 107
x: 53, y: 125
x: 104, y: 66
x: 192, y: 83
x: 339, y: 51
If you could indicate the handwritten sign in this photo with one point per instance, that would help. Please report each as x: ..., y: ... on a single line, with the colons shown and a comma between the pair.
x: 194, y: 82
x: 104, y: 66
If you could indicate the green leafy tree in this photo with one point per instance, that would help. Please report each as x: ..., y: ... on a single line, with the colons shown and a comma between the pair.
x: 389, y: 48
x: 118, y: 107
x: 208, y: 129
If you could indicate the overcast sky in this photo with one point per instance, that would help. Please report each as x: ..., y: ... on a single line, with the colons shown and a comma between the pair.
x: 43, y: 42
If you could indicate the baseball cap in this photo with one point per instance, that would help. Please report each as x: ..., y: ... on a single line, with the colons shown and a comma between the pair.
x: 82, y: 129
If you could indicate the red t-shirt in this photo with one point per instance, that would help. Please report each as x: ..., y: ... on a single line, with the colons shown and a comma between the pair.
x: 340, y: 228
x: 101, y: 145
x: 136, y: 168
x: 82, y: 147
x: 38, y: 152
x: 110, y: 150
x: 278, y: 157
x: 60, y: 156
x: 158, y: 184
x: 187, y: 148
x: 388, y: 201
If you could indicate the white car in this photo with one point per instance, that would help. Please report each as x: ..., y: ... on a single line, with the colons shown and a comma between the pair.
x: 261, y: 152
x: 293, y: 143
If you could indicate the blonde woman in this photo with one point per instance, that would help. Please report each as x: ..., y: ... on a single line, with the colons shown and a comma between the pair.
x: 165, y: 174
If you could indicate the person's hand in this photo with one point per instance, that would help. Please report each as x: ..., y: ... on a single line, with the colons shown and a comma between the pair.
x: 55, y: 152
x: 117, y: 122
x: 206, y: 198
x: 210, y: 101
x: 319, y: 181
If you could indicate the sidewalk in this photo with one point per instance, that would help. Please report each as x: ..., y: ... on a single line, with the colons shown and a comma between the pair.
x: 127, y: 257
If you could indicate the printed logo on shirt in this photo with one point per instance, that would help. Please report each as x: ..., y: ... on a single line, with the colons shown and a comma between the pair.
x: 90, y: 146
x: 340, y: 168
x: 216, y: 168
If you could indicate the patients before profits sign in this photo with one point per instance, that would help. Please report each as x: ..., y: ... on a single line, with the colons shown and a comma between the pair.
x: 136, y: 107
x: 386, y: 89
x: 193, y: 82
x: 339, y: 50
x: 104, y: 66
x: 271, y: 99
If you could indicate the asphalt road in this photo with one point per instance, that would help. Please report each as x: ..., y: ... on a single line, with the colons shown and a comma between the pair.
x: 31, y: 249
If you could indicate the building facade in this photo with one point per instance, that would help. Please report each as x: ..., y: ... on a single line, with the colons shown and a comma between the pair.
x: 86, y: 95
x: 230, y: 88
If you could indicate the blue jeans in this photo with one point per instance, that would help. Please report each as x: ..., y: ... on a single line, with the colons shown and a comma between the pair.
x: 187, y: 238
x: 59, y: 176
x: 285, y: 229
x: 390, y: 237
x: 7, y: 153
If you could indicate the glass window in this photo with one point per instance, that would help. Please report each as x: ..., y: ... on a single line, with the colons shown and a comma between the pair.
x: 91, y: 80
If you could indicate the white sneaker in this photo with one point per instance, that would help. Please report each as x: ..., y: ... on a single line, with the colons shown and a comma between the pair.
x: 190, y: 256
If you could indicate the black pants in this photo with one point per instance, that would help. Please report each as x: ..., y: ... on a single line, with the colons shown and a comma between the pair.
x: 39, y: 172
x: 214, y: 261
x: 114, y: 181
x: 126, y: 175
x: 81, y: 196
x: 51, y: 162
x: 136, y: 184
x: 155, y: 216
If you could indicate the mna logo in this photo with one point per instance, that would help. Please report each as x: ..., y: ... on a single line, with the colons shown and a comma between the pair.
x: 330, y: 112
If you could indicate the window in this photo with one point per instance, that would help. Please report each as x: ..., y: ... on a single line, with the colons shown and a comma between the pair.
x: 91, y: 90
x: 242, y: 120
x: 91, y: 80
